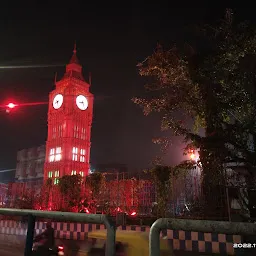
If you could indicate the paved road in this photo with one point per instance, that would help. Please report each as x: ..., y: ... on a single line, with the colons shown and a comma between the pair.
x: 72, y: 249
x: 7, y: 250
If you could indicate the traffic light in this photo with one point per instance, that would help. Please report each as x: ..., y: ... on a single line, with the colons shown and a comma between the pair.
x: 10, y: 106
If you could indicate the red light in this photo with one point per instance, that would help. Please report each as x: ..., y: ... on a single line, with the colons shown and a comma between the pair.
x: 133, y: 213
x: 11, y: 105
x: 60, y: 248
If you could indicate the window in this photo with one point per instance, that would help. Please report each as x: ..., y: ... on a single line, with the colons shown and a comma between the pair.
x: 58, y: 154
x: 83, y: 133
x: 75, y: 154
x: 54, y: 132
x: 51, y: 158
x: 60, y: 131
x: 55, y: 154
x: 57, y: 174
x: 57, y: 131
x: 81, y: 173
x: 73, y: 172
x: 82, y: 155
x: 56, y: 181
x: 49, y: 175
x: 76, y: 131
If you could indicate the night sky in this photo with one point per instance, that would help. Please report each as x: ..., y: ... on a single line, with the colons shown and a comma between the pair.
x: 110, y: 40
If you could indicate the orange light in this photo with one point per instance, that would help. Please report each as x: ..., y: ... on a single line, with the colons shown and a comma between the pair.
x: 192, y: 156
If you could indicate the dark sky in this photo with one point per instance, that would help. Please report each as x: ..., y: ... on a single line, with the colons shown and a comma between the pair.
x: 110, y: 40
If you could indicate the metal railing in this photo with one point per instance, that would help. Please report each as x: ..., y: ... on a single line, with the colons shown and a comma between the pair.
x: 206, y: 226
x: 64, y: 216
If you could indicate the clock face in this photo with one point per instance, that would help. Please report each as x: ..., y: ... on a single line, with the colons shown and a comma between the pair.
x: 57, y: 101
x: 81, y: 102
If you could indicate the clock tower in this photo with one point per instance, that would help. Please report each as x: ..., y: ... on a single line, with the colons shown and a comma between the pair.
x: 69, y: 125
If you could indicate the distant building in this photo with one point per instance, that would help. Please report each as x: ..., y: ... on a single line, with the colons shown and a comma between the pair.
x: 30, y: 166
x: 3, y: 193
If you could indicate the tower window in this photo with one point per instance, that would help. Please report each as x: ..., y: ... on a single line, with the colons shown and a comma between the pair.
x: 60, y: 131
x: 81, y: 173
x: 75, y: 154
x: 54, y: 131
x: 82, y: 155
x: 76, y: 131
x: 56, y: 181
x: 51, y: 158
x: 55, y: 154
x: 57, y: 173
x: 49, y: 175
x: 83, y: 133
x: 58, y: 154
x: 73, y: 172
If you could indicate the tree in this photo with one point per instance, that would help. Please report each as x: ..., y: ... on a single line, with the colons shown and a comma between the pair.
x: 205, y: 85
x: 161, y: 179
x: 70, y: 187
x: 95, y: 182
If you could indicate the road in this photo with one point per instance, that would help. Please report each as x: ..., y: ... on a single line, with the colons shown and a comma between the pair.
x: 7, y: 250
x: 72, y: 249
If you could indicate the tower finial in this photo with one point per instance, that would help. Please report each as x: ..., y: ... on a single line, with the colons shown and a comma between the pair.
x: 55, y: 78
x: 74, y: 51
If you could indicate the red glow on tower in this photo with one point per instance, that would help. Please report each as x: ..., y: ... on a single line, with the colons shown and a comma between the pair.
x: 69, y: 125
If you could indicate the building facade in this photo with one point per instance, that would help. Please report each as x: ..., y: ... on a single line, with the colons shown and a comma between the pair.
x: 30, y: 165
x: 69, y: 125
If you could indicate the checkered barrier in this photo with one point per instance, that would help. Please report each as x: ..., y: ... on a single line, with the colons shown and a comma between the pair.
x: 180, y: 240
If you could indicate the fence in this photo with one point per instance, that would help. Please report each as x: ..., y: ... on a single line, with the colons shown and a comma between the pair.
x: 120, y: 190
x: 66, y: 216
x: 195, y: 225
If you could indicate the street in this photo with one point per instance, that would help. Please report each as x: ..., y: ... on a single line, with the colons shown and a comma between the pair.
x: 7, y: 250
x: 72, y: 248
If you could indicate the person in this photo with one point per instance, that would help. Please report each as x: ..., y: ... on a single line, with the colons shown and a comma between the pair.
x: 47, y: 237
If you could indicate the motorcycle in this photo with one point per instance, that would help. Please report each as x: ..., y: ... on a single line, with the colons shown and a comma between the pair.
x: 38, y: 249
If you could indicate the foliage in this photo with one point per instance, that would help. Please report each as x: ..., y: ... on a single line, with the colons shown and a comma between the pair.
x: 95, y: 181
x: 161, y: 178
x: 70, y: 188
x: 210, y: 84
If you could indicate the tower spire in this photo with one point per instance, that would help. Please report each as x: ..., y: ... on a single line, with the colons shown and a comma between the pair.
x: 74, y: 51
x: 74, y: 58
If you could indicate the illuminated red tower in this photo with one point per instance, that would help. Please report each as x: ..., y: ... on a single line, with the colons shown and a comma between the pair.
x: 69, y: 125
